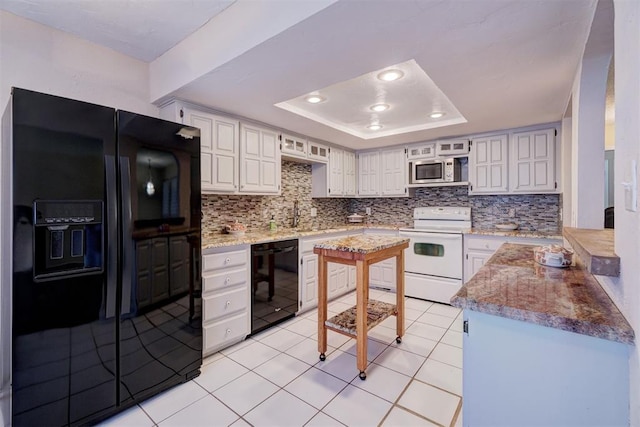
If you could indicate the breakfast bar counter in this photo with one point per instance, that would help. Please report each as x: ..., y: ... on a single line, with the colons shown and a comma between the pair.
x: 541, y: 344
x: 512, y: 285
x: 360, y: 251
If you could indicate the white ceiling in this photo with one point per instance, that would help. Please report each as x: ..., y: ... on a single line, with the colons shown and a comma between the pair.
x: 346, y: 106
x: 502, y: 63
x: 143, y: 29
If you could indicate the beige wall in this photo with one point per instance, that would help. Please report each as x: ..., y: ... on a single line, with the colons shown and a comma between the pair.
x: 609, y: 136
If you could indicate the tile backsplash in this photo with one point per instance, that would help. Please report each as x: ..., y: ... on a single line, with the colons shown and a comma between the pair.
x: 538, y: 212
x: 532, y: 212
x: 256, y: 211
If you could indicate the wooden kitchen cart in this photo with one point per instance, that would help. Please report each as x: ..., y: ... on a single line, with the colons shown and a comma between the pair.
x: 360, y: 251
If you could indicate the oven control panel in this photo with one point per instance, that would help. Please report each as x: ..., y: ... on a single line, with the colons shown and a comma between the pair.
x: 443, y: 213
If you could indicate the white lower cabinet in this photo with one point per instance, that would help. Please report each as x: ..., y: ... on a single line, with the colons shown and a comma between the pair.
x: 308, y: 281
x: 479, y: 248
x: 340, y: 278
x: 519, y: 373
x: 225, y: 297
x: 223, y: 333
x: 383, y: 274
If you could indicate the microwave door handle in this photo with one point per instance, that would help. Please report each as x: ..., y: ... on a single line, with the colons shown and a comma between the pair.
x: 111, y: 235
x: 126, y: 234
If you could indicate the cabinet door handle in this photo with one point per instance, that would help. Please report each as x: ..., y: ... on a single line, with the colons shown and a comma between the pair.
x: 228, y: 332
x: 228, y: 304
x: 227, y: 260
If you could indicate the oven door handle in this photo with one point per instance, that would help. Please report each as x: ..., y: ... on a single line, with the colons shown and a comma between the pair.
x: 426, y: 235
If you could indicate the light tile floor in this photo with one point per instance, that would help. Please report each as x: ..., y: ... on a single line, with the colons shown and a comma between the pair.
x: 276, y: 379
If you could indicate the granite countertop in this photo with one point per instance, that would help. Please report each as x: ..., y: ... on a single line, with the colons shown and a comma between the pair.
x: 221, y: 240
x: 515, y: 233
x: 362, y: 244
x: 512, y: 285
x: 596, y: 248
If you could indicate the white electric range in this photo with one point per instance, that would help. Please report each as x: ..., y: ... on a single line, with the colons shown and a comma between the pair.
x: 433, y: 260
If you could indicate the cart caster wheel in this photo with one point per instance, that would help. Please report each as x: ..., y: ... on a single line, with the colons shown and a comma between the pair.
x: 398, y: 340
x: 363, y: 375
x: 323, y: 357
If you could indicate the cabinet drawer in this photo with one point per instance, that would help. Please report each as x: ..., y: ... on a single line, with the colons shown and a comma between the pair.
x: 223, y: 279
x: 214, y: 307
x: 224, y: 260
x: 484, y: 244
x: 217, y: 334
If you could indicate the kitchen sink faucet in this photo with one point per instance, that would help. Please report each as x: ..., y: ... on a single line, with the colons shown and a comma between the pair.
x: 296, y: 215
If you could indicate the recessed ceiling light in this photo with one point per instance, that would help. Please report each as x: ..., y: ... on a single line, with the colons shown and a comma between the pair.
x: 374, y: 127
x: 379, y: 107
x: 436, y: 114
x: 390, y: 75
x: 314, y: 99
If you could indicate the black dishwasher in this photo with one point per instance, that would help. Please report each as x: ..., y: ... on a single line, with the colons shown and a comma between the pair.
x: 274, y: 283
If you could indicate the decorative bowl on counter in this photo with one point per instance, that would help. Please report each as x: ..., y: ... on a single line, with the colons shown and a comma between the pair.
x: 355, y: 218
x: 235, y: 228
x: 507, y: 226
x: 553, y: 256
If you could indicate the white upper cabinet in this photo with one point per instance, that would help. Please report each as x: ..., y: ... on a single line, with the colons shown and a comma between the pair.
x: 317, y: 151
x: 488, y: 165
x: 426, y: 151
x: 293, y: 146
x: 532, y: 167
x: 336, y: 175
x: 219, y: 161
x: 349, y: 171
x: 393, y: 164
x: 517, y: 163
x: 335, y: 178
x: 260, y: 167
x: 382, y: 173
x: 219, y: 146
x: 369, y: 173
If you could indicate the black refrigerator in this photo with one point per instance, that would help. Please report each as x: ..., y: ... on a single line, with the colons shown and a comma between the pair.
x: 106, y: 286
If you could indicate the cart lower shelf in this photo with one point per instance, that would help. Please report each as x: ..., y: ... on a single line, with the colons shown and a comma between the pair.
x: 345, y: 322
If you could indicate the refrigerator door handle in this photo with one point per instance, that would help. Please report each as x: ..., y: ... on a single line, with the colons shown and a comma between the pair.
x: 128, y: 252
x: 112, y: 236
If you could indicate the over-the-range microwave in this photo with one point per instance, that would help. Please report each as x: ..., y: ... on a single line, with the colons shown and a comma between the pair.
x: 435, y: 171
